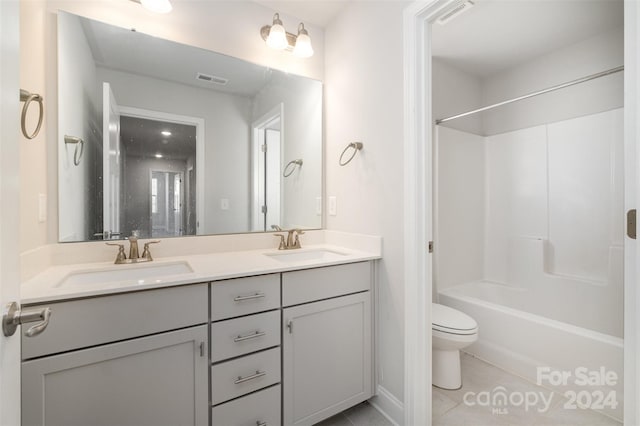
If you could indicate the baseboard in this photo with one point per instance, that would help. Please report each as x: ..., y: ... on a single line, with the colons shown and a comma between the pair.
x: 388, y: 405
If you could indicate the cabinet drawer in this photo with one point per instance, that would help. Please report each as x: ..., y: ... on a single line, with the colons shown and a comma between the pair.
x: 242, y: 296
x: 322, y: 283
x: 88, y: 322
x: 260, y: 408
x: 243, y: 335
x: 240, y: 376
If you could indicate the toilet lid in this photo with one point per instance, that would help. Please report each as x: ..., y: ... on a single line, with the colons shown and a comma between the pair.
x: 449, y: 320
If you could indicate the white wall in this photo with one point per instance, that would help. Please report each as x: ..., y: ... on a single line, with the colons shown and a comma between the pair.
x: 35, y: 77
x: 79, y: 117
x: 454, y: 92
x: 229, y: 27
x: 227, y: 124
x: 363, y: 102
x: 553, y: 216
x: 590, y: 56
x: 460, y: 207
x: 302, y: 130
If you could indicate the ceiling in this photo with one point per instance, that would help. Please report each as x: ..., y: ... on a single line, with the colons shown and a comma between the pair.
x: 143, y: 138
x: 317, y: 12
x: 499, y: 34
x: 129, y: 51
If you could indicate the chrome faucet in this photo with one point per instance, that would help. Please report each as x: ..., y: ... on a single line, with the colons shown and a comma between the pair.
x: 292, y: 241
x: 134, y: 256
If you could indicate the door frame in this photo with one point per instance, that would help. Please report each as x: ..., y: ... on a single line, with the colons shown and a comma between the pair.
x: 199, y: 123
x: 182, y: 197
x: 258, y: 125
x: 418, y: 207
x: 10, y: 196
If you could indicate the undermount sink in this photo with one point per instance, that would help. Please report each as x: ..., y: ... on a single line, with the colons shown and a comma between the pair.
x: 126, y: 273
x: 306, y: 255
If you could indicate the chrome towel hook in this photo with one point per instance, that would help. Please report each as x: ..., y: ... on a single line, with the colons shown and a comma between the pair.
x: 77, y: 155
x: 27, y: 98
x: 292, y: 163
x: 357, y: 146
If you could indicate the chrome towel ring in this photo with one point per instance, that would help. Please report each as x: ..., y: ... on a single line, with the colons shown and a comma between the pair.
x: 291, y: 167
x: 357, y: 146
x: 77, y: 155
x: 27, y: 98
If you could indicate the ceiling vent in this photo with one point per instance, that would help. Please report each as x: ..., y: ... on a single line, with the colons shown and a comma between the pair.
x: 211, y: 79
x: 456, y: 11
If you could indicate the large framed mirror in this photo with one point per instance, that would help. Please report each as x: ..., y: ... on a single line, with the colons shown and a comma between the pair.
x: 164, y: 139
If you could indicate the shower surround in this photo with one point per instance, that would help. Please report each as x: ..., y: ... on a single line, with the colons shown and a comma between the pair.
x: 529, y: 233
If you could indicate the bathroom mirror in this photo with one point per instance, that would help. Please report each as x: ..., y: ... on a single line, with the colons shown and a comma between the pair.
x: 172, y: 140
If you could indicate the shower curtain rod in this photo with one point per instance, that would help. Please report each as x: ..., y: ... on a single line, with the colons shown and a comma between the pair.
x: 530, y: 95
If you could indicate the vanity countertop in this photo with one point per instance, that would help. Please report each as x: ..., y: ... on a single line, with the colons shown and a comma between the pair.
x: 54, y: 283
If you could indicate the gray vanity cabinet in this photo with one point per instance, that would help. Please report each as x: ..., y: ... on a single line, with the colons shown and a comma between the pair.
x: 327, y: 343
x: 127, y: 359
x: 156, y: 380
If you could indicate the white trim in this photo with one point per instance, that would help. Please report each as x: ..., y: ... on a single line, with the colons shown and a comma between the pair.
x: 258, y: 124
x: 418, y: 207
x: 200, y: 151
x: 632, y: 196
x: 388, y: 405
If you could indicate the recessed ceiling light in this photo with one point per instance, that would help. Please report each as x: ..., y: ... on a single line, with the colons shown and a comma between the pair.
x: 158, y: 155
x: 166, y: 133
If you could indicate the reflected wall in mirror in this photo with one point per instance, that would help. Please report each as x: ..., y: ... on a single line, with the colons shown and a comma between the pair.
x: 179, y: 140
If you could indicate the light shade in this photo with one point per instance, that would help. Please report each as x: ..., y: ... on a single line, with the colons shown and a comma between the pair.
x: 303, y: 47
x: 158, y: 6
x: 277, y: 38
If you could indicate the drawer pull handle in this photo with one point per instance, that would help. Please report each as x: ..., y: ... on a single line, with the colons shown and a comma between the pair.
x: 249, y: 336
x: 251, y: 377
x: 253, y: 296
x: 259, y: 423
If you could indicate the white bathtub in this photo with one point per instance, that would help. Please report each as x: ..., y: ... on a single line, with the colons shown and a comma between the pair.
x: 521, y: 342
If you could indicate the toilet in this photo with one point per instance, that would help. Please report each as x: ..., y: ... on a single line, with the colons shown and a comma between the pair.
x: 451, y: 330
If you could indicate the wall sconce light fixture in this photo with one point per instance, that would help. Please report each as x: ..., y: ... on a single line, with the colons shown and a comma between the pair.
x: 277, y: 38
x: 157, y: 6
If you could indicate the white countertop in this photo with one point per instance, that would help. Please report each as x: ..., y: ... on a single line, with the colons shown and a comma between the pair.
x: 45, y: 287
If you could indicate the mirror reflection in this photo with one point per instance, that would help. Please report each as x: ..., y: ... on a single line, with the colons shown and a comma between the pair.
x: 178, y: 140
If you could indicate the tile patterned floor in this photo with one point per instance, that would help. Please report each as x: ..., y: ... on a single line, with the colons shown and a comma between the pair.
x: 360, y: 415
x: 449, y: 408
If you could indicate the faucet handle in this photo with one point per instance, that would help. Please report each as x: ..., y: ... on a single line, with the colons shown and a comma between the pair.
x: 120, y: 257
x: 282, y: 245
x: 146, y: 254
x: 296, y: 243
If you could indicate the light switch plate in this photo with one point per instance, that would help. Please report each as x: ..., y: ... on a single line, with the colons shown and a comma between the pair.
x: 333, y: 206
x: 224, y: 204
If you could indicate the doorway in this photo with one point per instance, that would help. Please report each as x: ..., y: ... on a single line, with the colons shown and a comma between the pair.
x: 167, y: 204
x: 267, y: 141
x: 419, y: 17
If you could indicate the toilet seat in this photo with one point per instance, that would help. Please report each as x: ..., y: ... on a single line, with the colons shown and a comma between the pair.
x: 452, y: 321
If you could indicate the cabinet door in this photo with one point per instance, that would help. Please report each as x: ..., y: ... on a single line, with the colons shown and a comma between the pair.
x: 155, y: 380
x: 326, y: 358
